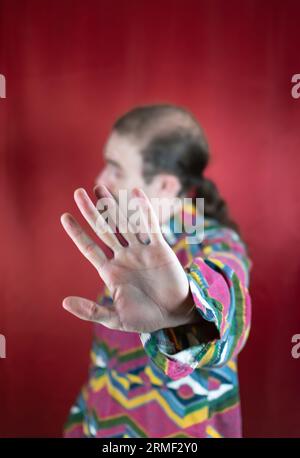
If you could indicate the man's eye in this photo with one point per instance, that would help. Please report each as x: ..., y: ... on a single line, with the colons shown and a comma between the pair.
x: 118, y: 173
x: 112, y: 169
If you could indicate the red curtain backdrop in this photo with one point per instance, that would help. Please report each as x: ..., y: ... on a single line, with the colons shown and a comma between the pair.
x: 71, y: 68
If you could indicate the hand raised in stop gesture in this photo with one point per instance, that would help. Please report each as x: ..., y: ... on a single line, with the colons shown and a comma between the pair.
x: 148, y: 285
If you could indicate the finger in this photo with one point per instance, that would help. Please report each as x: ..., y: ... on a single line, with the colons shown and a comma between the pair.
x: 102, y: 194
x: 96, y: 220
x: 127, y: 230
x: 83, y: 242
x: 91, y: 311
x: 151, y: 221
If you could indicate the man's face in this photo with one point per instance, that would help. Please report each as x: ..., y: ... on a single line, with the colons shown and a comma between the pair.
x: 123, y: 165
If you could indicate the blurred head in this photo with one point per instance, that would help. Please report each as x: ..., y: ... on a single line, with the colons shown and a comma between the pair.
x: 162, y: 149
x: 124, y: 168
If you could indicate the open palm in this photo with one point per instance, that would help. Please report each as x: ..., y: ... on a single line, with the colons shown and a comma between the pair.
x: 147, y: 283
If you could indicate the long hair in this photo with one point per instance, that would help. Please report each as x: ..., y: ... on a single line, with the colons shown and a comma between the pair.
x: 174, y: 142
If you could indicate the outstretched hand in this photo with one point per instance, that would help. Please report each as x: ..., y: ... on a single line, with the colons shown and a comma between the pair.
x: 147, y: 283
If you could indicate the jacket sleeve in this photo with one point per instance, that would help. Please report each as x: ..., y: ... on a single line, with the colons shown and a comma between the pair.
x: 218, y: 277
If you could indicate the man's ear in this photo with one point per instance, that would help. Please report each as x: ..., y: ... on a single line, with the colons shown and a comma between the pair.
x: 168, y: 185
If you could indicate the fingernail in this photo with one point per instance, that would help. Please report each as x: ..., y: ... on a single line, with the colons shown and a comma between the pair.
x: 65, y: 304
x: 135, y: 192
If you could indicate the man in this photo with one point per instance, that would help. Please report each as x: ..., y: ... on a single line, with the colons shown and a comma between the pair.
x: 174, y: 314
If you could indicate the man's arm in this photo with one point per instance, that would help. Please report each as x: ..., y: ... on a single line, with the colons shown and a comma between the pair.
x: 150, y: 289
x: 219, y: 281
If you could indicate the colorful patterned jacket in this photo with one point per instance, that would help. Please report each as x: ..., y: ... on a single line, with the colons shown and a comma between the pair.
x: 172, y: 383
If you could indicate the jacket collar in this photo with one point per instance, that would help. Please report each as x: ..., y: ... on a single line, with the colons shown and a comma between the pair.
x: 183, y: 221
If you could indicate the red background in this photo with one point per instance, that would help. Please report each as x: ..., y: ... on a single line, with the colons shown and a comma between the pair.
x: 71, y: 67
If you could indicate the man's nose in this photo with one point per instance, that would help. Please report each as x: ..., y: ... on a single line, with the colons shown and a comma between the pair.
x: 106, y: 179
